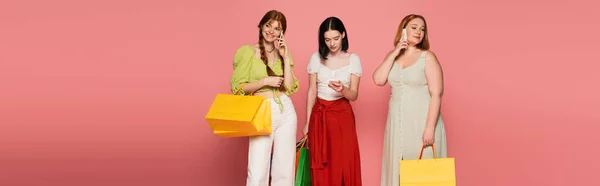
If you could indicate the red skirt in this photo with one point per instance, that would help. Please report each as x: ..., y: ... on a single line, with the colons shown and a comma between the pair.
x: 333, y: 144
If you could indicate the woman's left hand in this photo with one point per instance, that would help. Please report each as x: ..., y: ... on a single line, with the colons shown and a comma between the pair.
x: 283, y: 50
x: 337, y: 86
x: 428, y: 136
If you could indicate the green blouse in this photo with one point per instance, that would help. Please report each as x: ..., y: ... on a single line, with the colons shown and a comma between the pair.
x: 248, y: 68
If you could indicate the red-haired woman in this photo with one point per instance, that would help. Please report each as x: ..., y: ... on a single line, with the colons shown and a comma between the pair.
x: 414, y: 118
x: 267, y: 69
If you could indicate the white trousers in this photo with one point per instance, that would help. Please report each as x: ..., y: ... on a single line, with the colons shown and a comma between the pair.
x: 283, y: 142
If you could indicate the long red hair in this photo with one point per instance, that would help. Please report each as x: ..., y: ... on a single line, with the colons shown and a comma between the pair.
x: 270, y: 16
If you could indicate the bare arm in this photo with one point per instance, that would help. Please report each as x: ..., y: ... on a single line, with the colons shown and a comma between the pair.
x: 381, y: 73
x: 434, y: 75
x: 310, y: 98
x: 289, y: 80
x: 352, y: 92
x: 288, y: 73
x: 383, y: 70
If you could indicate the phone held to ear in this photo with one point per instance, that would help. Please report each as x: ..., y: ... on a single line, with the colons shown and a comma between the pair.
x: 278, y: 43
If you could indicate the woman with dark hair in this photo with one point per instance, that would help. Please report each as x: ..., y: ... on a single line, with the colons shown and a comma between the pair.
x: 334, y: 76
x: 414, y: 119
x: 266, y: 69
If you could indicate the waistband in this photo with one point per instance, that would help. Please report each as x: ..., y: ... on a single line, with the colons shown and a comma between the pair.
x: 279, y: 98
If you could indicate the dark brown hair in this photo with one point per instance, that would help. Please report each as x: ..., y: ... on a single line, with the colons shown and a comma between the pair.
x: 331, y: 23
x: 270, y: 16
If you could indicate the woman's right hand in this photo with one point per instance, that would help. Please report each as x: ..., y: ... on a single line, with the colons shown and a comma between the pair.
x: 273, y: 81
x: 403, y: 44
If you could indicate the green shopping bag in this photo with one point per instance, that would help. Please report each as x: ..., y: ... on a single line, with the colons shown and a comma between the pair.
x: 303, y: 166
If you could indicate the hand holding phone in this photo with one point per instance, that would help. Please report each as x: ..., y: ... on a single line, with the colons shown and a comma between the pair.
x: 402, y: 44
x: 277, y: 43
x: 336, y: 85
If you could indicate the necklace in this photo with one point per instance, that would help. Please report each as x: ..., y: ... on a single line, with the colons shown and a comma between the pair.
x: 271, y: 50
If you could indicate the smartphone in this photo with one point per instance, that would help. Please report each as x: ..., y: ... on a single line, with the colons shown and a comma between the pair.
x: 278, y: 43
x: 404, y: 37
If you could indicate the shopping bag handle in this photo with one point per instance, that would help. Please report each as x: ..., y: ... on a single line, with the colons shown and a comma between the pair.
x: 423, y: 147
x: 302, y: 143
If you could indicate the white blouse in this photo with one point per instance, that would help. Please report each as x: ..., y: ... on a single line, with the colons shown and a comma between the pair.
x: 324, y: 75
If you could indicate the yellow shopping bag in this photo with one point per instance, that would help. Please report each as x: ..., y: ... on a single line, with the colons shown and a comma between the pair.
x: 427, y: 172
x: 237, y: 116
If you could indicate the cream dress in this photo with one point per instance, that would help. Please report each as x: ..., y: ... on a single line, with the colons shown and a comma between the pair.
x: 407, y: 115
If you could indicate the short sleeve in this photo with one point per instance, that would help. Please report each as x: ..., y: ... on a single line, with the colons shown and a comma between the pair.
x: 241, y: 69
x: 355, y: 65
x: 314, y: 63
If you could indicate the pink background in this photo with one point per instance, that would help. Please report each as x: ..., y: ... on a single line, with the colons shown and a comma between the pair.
x: 115, y: 92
